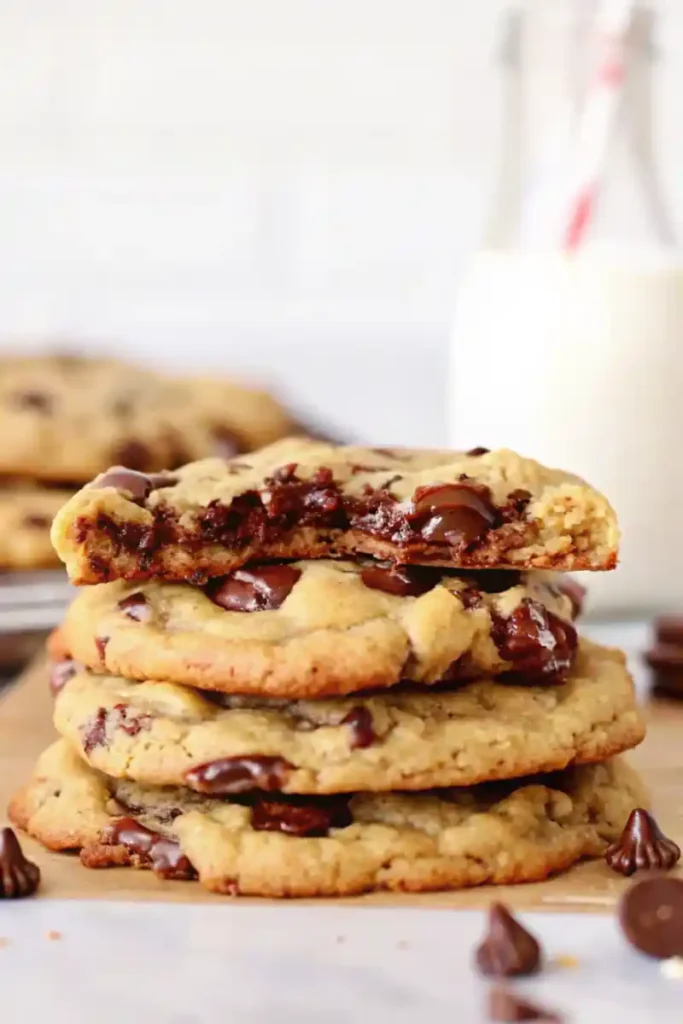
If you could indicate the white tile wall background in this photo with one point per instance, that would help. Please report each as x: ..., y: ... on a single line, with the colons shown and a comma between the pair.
x: 286, y: 186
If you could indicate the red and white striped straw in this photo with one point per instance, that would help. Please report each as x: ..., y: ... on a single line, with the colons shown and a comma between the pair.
x: 599, y: 116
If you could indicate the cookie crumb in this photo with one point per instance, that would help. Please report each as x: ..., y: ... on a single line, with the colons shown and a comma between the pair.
x: 565, y: 960
x: 53, y: 936
x: 672, y: 968
x: 340, y: 940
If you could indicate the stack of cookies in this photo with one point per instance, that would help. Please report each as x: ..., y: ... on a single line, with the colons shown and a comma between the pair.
x: 66, y: 418
x: 323, y: 670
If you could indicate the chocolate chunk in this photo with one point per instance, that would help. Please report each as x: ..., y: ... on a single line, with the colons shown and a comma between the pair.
x: 94, y: 732
x: 651, y: 916
x: 133, y: 454
x: 642, y: 844
x: 40, y: 401
x: 150, y: 848
x: 300, y: 817
x: 257, y: 589
x: 508, y: 949
x: 669, y: 630
x: 540, y: 645
x: 137, y: 485
x: 226, y: 443
x: 121, y: 717
x: 453, y: 513
x: 37, y: 522
x: 504, y: 1005
x: 492, y: 581
x: 60, y: 674
x: 101, y: 645
x: 19, y: 876
x: 239, y: 774
x: 135, y: 607
x: 362, y: 730
x: 665, y: 657
x: 403, y: 580
x: 478, y: 451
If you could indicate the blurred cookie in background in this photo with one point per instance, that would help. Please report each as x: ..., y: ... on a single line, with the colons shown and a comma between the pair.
x: 66, y: 418
x: 26, y: 514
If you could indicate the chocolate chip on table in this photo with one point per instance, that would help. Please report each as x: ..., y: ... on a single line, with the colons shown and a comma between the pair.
x: 539, y: 644
x: 40, y: 401
x: 508, y: 950
x: 19, y: 876
x: 452, y: 513
x: 136, y: 607
x: 239, y: 774
x: 504, y: 1005
x: 651, y: 916
x: 300, y: 817
x: 150, y: 848
x: 60, y: 674
x: 642, y: 844
x: 362, y: 729
x: 669, y: 630
x: 257, y: 589
x: 403, y: 580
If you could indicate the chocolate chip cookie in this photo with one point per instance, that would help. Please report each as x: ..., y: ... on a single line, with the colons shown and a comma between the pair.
x: 323, y: 628
x: 271, y: 845
x: 409, y: 737
x: 69, y: 417
x: 26, y: 515
x: 304, y: 499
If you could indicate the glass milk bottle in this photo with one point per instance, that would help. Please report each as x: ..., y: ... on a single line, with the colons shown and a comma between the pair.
x: 575, y: 355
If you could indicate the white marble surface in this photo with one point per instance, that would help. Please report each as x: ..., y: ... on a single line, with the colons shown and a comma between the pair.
x: 170, y: 964
x: 181, y: 964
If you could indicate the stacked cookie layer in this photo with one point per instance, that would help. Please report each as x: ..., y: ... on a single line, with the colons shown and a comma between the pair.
x: 322, y: 725
x: 65, y: 418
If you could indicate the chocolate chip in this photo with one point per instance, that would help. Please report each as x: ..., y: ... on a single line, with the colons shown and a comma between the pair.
x: 257, y: 589
x: 300, y: 817
x: 60, y: 674
x: 403, y: 580
x: 509, y: 949
x: 134, y: 455
x: 137, y: 485
x: 651, y: 916
x: 540, y: 645
x: 504, y: 1006
x: 284, y: 474
x: 239, y: 774
x: 642, y: 844
x: 453, y: 513
x: 101, y: 645
x: 121, y: 717
x: 41, y: 401
x: 19, y: 876
x: 150, y: 848
x: 135, y: 607
x: 362, y: 731
x: 36, y: 521
x: 669, y: 630
x: 478, y: 451
x: 226, y: 443
x: 94, y: 731
x: 492, y: 581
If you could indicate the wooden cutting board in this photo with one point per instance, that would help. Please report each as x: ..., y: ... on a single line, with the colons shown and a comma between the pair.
x: 25, y: 730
